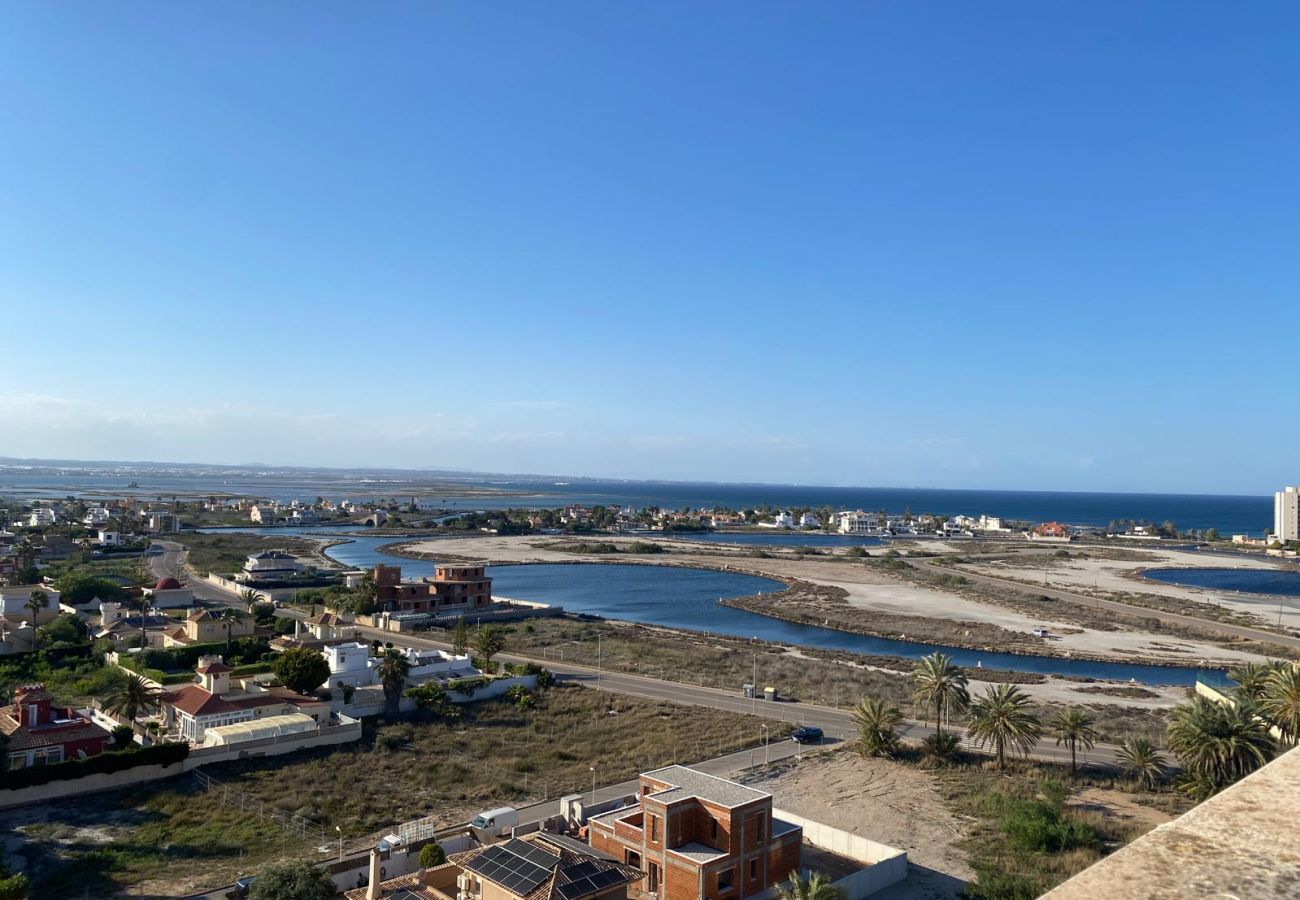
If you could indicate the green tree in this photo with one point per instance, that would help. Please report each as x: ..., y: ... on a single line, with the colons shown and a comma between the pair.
x: 816, y: 887
x: 1280, y: 701
x: 292, y: 881
x: 66, y: 629
x: 1004, y: 718
x: 228, y: 617
x: 1140, y: 760
x: 76, y: 588
x: 301, y: 669
x: 37, y: 601
x: 392, y: 670
x: 432, y: 697
x: 877, y: 722
x: 488, y: 642
x: 1073, y: 727
x: 250, y: 598
x: 131, y: 696
x: 431, y: 855
x: 1217, y: 743
x: 1250, y: 679
x: 939, y: 685
x: 460, y: 637
x: 123, y: 737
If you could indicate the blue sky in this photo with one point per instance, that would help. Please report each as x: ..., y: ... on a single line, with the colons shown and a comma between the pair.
x: 1012, y: 245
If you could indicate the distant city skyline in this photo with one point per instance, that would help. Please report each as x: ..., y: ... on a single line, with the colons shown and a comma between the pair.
x: 1007, y: 246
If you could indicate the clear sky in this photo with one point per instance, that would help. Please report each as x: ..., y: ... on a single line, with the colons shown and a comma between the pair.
x: 1011, y: 245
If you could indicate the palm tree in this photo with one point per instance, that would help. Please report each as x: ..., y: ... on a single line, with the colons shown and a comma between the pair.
x: 488, y: 642
x: 392, y: 671
x: 37, y: 601
x: 939, y: 685
x: 1073, y: 727
x: 815, y: 887
x: 1140, y: 760
x: 878, y: 722
x: 250, y: 598
x: 1280, y: 702
x: 131, y: 696
x: 1004, y: 718
x: 229, y: 616
x: 1250, y: 679
x: 1218, y: 743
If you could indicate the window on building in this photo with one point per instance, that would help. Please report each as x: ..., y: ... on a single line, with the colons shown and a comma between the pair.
x: 725, y: 880
x: 761, y: 827
x: 714, y: 829
x: 753, y: 868
x: 654, y: 828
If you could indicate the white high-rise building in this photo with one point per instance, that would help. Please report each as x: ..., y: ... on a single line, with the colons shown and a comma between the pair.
x: 1286, y: 514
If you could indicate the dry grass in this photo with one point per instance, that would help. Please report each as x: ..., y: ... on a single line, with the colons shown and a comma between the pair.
x: 171, y: 838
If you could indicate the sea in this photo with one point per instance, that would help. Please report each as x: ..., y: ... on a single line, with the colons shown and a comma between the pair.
x: 1230, y: 514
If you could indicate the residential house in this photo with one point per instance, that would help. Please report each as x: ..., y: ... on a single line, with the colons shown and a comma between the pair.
x: 160, y: 520
x: 271, y: 564
x: 168, y: 593
x: 14, y: 600
x: 538, y: 866
x: 262, y: 514
x: 329, y: 626
x: 453, y: 590
x: 124, y: 627
x: 1052, y: 530
x: 211, y: 703
x: 859, y: 522
x: 780, y: 520
x: 354, y: 663
x: 41, y: 517
x: 205, y: 626
x: 39, y: 733
x: 697, y: 835
x: 810, y: 520
x: 96, y: 516
x: 110, y: 538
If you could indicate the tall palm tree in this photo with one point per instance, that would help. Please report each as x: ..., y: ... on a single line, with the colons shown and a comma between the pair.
x: 939, y: 685
x: 1280, y: 702
x: 37, y: 601
x: 1218, y: 743
x: 1004, y: 718
x: 250, y: 598
x: 1140, y: 760
x: 1250, y: 679
x: 488, y: 642
x: 815, y: 887
x: 1073, y: 727
x: 228, y: 617
x: 392, y: 671
x: 877, y: 722
x: 131, y: 696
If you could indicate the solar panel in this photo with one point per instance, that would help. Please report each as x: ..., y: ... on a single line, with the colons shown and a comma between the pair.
x: 580, y: 870
x: 515, y: 865
x: 607, y: 878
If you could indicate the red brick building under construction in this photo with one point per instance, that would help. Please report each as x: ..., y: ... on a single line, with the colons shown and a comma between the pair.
x: 697, y: 835
x: 451, y: 590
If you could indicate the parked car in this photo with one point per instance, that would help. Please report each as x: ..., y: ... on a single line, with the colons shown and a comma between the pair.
x: 807, y: 735
x: 496, y: 822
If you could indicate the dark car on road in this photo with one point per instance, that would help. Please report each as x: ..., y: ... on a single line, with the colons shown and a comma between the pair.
x: 807, y: 735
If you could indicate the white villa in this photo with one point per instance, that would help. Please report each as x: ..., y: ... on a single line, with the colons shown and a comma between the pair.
x: 272, y: 564
x: 210, y: 703
x: 859, y: 522
x: 96, y: 516
x: 810, y: 520
x: 780, y: 520
x: 354, y: 664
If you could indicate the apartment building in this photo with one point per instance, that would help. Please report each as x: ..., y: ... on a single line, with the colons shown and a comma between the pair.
x: 697, y: 835
x: 452, y: 589
x: 1286, y: 514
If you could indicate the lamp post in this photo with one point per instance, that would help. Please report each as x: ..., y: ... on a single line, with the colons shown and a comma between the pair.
x: 767, y: 753
x: 340, y: 831
x: 593, y: 785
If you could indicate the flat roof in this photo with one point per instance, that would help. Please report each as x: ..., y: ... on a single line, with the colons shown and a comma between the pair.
x: 1241, y: 843
x: 688, y: 782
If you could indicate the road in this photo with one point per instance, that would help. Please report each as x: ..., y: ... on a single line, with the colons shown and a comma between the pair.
x: 171, y: 563
x: 1168, y: 618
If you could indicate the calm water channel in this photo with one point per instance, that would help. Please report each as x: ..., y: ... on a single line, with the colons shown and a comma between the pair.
x: 687, y: 598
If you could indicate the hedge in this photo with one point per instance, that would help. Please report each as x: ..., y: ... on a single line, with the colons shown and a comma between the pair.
x: 104, y: 763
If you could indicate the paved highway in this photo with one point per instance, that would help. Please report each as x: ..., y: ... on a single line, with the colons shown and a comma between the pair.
x: 1169, y: 618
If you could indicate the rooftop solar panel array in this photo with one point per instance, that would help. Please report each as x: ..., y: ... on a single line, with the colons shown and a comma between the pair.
x: 518, y: 867
x: 590, y: 883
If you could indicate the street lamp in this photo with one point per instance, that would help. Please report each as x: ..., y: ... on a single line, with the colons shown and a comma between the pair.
x: 340, y: 831
x: 593, y: 785
x: 767, y: 753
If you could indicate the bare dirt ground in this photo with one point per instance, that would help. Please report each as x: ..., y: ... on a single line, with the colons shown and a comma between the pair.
x: 884, y: 801
x: 946, y: 617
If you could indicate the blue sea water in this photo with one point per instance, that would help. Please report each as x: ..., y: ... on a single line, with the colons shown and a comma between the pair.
x: 687, y: 598
x: 1276, y: 582
x: 1229, y: 514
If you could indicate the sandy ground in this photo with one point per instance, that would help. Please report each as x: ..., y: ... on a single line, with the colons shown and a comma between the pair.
x: 872, y: 591
x: 1110, y: 576
x: 886, y: 802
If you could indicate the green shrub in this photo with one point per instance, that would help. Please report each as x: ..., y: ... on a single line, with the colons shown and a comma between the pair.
x: 110, y: 761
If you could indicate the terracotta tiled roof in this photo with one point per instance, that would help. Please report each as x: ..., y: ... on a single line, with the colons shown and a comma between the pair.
x: 168, y: 584
x: 213, y: 668
x: 23, y: 737
x: 195, y: 701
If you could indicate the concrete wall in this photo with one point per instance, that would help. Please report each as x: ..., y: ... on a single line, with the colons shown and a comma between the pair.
x: 361, y: 708
x: 199, y: 756
x: 884, y: 865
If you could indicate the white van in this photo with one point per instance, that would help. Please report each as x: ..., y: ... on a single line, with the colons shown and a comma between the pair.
x: 495, y: 822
